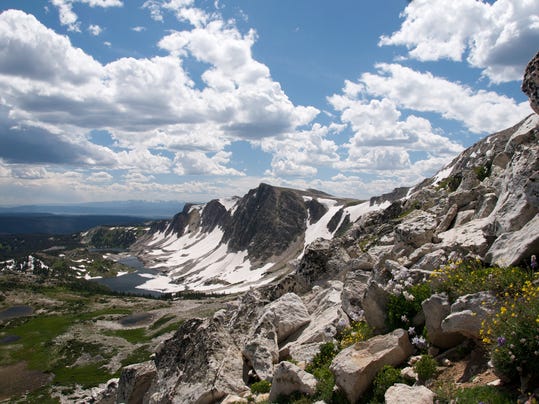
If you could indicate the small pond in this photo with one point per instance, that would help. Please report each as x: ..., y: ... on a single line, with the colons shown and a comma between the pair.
x: 9, y: 339
x: 15, y: 312
x: 135, y: 319
x: 128, y: 283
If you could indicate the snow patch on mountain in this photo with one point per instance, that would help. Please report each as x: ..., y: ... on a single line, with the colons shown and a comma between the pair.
x: 320, y: 229
x: 197, y: 249
x: 442, y: 175
x: 230, y: 204
x: 356, y: 211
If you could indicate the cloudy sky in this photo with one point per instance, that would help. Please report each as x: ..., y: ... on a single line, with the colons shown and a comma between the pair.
x: 190, y: 100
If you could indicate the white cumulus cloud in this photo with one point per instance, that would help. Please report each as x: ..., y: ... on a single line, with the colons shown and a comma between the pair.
x: 148, y: 102
x: 95, y: 30
x: 69, y: 18
x: 100, y: 177
x: 199, y: 163
x: 499, y: 38
x: 480, y: 111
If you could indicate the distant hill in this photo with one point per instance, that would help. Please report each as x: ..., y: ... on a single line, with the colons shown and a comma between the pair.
x: 152, y: 210
x: 45, y: 223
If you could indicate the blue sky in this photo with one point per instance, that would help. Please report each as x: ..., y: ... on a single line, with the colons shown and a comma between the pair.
x: 190, y: 100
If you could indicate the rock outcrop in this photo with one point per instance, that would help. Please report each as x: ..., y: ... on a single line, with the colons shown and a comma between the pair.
x: 468, y: 312
x: 436, y: 308
x: 355, y: 367
x: 135, y: 381
x: 288, y: 379
x: 530, y: 84
x: 402, y: 393
x: 278, y: 321
x: 200, y: 363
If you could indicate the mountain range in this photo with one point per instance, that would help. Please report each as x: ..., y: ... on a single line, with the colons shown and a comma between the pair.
x: 145, y: 209
x: 230, y: 245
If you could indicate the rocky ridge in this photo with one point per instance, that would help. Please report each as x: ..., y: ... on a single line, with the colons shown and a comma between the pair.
x: 230, y: 245
x: 484, y: 205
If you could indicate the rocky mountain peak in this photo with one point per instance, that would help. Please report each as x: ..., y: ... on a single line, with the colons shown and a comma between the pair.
x: 267, y: 221
x: 237, y: 241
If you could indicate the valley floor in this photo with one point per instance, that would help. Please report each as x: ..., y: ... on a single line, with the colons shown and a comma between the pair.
x: 75, y: 340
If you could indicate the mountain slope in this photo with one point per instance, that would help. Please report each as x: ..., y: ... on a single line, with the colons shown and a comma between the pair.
x: 230, y: 245
x: 483, y: 205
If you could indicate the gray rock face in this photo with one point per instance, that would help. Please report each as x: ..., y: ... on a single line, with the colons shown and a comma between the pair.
x: 289, y: 378
x: 403, y: 394
x: 279, y: 320
x: 135, y: 381
x: 287, y: 314
x: 431, y: 261
x: 530, y: 84
x: 516, y: 247
x: 322, y: 260
x: 469, y: 238
x: 249, y: 310
x: 487, y: 204
x: 468, y: 312
x: 374, y: 306
x: 448, y: 218
x: 266, y: 222
x: 325, y: 308
x: 518, y: 201
x: 355, y: 285
x: 356, y: 366
x: 417, y: 228
x: 200, y: 363
x: 436, y: 309
x: 262, y: 352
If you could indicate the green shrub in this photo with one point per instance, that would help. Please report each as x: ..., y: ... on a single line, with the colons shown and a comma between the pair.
x: 132, y: 335
x: 451, y: 183
x: 511, y: 335
x: 260, y: 387
x: 88, y: 375
x: 294, y: 398
x: 357, y: 331
x: 482, y: 172
x: 326, y: 382
x: 385, y: 378
x: 162, y: 321
x: 448, y: 392
x: 319, y: 368
x: 464, y: 277
x: 403, y: 307
x: 323, y: 358
x: 485, y: 394
x: 425, y: 368
x: 140, y: 354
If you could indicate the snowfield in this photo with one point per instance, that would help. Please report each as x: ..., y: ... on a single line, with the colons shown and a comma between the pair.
x: 200, y: 261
